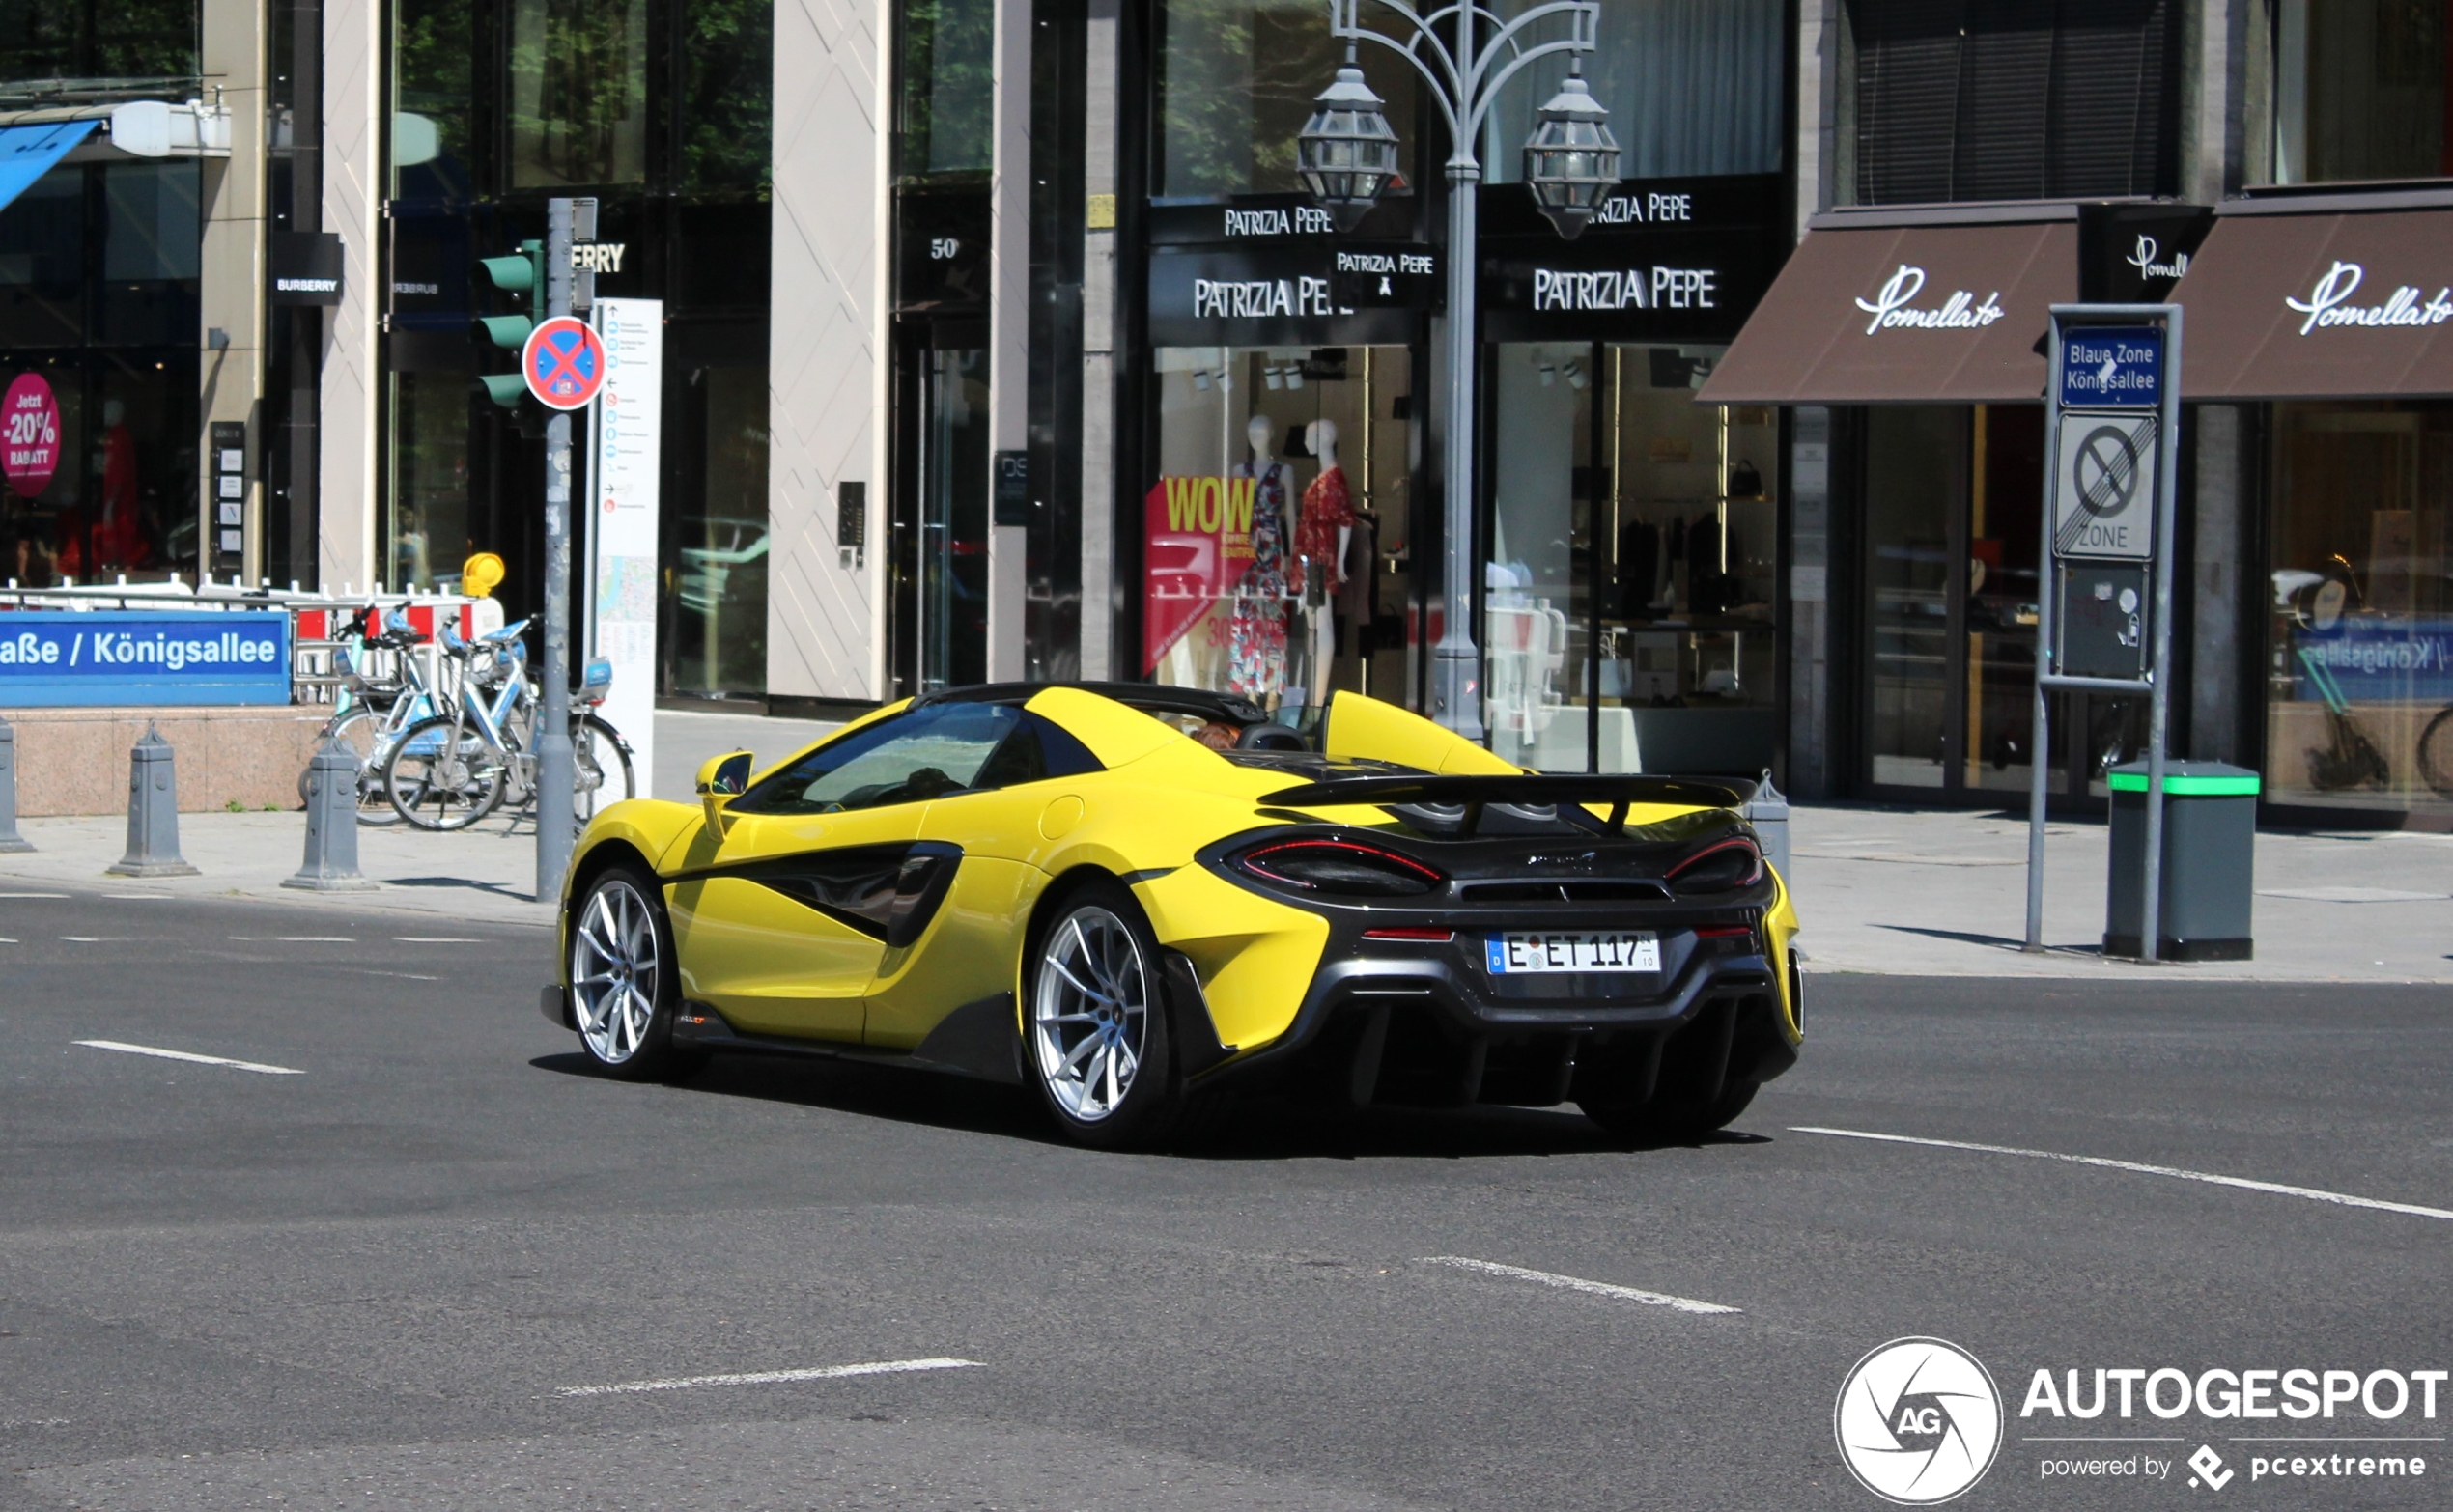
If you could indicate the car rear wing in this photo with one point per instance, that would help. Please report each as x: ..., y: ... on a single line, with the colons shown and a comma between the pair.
x: 1473, y: 792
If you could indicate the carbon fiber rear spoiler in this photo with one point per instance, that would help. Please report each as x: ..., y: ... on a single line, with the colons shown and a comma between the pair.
x: 1529, y: 790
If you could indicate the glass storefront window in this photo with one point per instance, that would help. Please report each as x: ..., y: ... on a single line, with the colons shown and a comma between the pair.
x: 1949, y: 584
x: 1236, y: 82
x: 434, y: 97
x: 98, y: 38
x: 718, y: 647
x: 1913, y: 457
x: 1276, y: 552
x: 2360, y: 91
x: 1693, y: 87
x: 578, y: 93
x: 2360, y: 702
x: 727, y: 106
x: 1629, y: 599
x: 947, y: 87
x: 98, y: 269
x: 429, y: 526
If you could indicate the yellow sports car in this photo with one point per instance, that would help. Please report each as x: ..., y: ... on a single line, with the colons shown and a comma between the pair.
x: 1135, y: 899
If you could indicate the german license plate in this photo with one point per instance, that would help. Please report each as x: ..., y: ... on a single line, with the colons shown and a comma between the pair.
x: 1582, y: 950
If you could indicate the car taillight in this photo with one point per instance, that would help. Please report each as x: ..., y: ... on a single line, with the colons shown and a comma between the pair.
x: 1342, y: 867
x: 1725, y: 867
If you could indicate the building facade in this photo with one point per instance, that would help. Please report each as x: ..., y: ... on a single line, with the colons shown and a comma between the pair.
x: 1001, y: 340
x: 2276, y: 169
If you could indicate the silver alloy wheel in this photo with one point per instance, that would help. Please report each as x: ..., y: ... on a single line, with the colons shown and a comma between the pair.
x: 613, y: 970
x: 1090, y: 1013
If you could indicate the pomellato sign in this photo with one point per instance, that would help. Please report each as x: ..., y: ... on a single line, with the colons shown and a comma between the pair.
x: 2328, y: 304
x: 1894, y: 308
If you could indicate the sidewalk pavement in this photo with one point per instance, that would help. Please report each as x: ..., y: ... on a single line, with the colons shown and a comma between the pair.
x: 485, y: 872
x: 1909, y: 892
x: 1929, y: 893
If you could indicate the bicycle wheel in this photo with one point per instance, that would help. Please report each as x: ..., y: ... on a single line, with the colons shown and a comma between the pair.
x: 2436, y: 753
x: 363, y: 732
x: 441, y: 776
x: 599, y: 766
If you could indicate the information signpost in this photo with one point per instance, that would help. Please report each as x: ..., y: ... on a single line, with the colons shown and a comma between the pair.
x: 2112, y: 426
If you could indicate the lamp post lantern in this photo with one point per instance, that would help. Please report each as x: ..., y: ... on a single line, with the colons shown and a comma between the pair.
x: 1347, y: 150
x: 1467, y: 54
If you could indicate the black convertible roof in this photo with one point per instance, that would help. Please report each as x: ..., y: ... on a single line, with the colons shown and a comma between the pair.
x: 1149, y: 697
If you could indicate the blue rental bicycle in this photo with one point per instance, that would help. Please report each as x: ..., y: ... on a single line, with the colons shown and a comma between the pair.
x: 451, y: 769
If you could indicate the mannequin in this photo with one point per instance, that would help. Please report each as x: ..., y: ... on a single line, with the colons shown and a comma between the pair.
x: 1257, y: 630
x: 1321, y: 539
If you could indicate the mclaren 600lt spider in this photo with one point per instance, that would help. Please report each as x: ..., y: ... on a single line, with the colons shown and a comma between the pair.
x: 1135, y: 900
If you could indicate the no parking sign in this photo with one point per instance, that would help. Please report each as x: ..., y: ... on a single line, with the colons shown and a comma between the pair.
x: 564, y: 363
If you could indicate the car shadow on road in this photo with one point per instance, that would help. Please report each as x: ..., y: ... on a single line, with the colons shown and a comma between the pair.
x: 1259, y: 1128
x: 1270, y: 1129
x: 865, y: 1089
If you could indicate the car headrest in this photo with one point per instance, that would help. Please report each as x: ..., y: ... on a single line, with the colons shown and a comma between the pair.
x: 1269, y: 737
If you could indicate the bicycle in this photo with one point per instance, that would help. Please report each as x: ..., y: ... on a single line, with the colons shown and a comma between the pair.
x: 2351, y: 760
x: 450, y: 770
x: 370, y: 713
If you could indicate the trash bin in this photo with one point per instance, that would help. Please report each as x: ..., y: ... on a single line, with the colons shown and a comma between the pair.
x: 2209, y: 853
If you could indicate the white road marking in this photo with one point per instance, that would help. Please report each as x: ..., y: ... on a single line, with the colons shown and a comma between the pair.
x: 98, y: 939
x: 2352, y: 894
x: 191, y: 1055
x: 1571, y: 1283
x: 2312, y: 1193
x: 33, y: 895
x: 139, y: 897
x: 3, y: 940
x: 882, y: 1367
x: 407, y: 976
x: 315, y: 939
x: 437, y: 940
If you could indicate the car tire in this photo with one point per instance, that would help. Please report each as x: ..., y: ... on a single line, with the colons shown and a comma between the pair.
x: 1668, y: 1122
x: 1094, y: 1022
x: 625, y: 979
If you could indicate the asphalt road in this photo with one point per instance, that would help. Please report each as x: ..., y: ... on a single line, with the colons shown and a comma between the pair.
x: 383, y: 1281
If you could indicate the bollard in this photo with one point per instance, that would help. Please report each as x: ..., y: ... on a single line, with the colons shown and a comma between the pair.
x: 11, y: 842
x: 153, y: 812
x: 1769, y: 812
x: 331, y: 834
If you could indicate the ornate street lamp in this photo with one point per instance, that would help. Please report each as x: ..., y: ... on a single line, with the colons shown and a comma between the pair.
x: 1571, y: 160
x: 1347, y: 150
x: 1467, y: 54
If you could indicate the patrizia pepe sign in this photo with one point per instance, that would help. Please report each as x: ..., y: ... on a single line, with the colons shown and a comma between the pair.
x: 1894, y: 307
x: 2328, y: 304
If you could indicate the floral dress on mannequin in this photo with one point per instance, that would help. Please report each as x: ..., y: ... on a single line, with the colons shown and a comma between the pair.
x: 1326, y: 509
x: 1256, y: 635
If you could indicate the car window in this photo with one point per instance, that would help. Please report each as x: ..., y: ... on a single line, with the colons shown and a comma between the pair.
x: 923, y: 754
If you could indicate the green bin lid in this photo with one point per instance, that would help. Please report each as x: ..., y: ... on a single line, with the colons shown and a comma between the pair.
x: 2188, y: 780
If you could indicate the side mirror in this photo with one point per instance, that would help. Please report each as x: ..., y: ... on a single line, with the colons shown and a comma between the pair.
x: 720, y: 781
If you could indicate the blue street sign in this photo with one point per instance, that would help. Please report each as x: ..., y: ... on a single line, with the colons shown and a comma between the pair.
x: 54, y: 658
x: 2111, y: 367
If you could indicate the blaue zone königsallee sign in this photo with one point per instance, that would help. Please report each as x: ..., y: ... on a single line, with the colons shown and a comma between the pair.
x: 50, y: 658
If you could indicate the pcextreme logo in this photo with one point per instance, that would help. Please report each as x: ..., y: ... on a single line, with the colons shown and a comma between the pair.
x: 1918, y: 1421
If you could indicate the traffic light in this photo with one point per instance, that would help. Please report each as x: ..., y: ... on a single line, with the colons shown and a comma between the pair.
x: 522, y: 277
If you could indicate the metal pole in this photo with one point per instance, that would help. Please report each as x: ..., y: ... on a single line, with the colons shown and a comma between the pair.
x: 556, y: 769
x: 1455, y: 663
x: 2151, y: 924
x: 2047, y: 588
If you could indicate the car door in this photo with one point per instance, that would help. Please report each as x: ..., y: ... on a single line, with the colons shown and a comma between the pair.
x: 780, y: 921
x: 965, y: 964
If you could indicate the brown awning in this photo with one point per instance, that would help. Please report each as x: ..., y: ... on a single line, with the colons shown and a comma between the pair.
x: 1906, y: 308
x: 2302, y: 298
